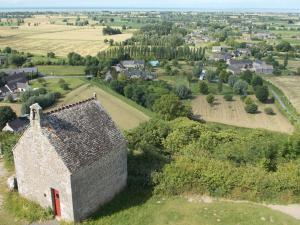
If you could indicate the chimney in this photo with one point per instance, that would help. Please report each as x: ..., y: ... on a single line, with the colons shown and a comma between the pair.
x: 36, y: 113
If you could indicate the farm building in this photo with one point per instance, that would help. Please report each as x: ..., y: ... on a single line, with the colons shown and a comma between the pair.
x: 134, y: 73
x: 15, y: 82
x: 133, y: 64
x: 73, y: 159
x: 261, y: 67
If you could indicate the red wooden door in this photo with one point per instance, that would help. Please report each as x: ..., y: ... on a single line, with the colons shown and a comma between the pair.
x: 56, y: 202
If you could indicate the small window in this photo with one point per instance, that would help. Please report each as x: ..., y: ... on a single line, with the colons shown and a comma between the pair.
x: 33, y: 114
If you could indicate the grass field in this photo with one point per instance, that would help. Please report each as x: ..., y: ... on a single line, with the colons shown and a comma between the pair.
x: 124, y: 115
x: 60, y: 39
x: 16, y: 107
x: 62, y: 70
x: 290, y: 85
x: 132, y: 209
x: 53, y: 85
x: 233, y: 113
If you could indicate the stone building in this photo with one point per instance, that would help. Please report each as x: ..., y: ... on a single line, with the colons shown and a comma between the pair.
x: 73, y: 159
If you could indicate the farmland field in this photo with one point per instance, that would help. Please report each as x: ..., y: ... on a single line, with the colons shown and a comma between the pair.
x: 60, y: 39
x: 62, y: 70
x: 290, y: 85
x: 14, y: 106
x: 233, y: 113
x: 125, y: 116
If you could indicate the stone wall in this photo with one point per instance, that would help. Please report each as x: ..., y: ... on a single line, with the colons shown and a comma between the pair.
x: 38, y: 169
x: 98, y: 183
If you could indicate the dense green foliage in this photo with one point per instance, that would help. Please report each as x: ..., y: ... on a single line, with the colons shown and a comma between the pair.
x: 262, y: 93
x: 187, y: 156
x: 7, y: 141
x: 111, y: 31
x: 6, y: 115
x: 39, y: 96
x: 170, y: 107
x: 203, y: 88
x: 251, y: 108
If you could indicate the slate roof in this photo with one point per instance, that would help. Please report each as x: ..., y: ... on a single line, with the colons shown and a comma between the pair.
x: 19, y: 124
x: 20, y: 70
x: 82, y: 133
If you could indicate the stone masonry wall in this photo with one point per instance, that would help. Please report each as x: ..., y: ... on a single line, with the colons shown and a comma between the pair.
x: 98, y: 183
x: 38, y: 169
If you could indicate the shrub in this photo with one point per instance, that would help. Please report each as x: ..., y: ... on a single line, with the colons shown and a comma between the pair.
x: 210, y: 99
x: 269, y: 111
x: 183, y: 92
x: 248, y: 100
x: 203, y: 88
x: 251, y: 108
x: 228, y: 97
x: 64, y: 86
x: 232, y: 79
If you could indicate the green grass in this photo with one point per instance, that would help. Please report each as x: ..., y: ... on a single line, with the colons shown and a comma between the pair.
x: 62, y: 70
x: 140, y: 208
x: 53, y: 85
x: 293, y: 116
x: 98, y: 83
x: 22, y: 208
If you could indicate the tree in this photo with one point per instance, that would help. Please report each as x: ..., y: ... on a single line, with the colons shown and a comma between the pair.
x: 286, y: 61
x: 240, y: 87
x: 220, y: 86
x: 224, y: 76
x: 51, y: 55
x: 111, y: 42
x: 170, y: 107
x: 247, y: 76
x: 203, y: 88
x: 183, y: 92
x: 257, y: 81
x: 284, y: 46
x: 262, y: 93
x: 6, y: 115
x: 64, y: 86
x: 210, y: 99
x: 17, y: 60
x: 210, y: 76
x: 232, y: 79
x: 251, y: 108
x: 269, y: 111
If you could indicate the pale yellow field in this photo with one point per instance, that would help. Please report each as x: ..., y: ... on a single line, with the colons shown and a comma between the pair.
x: 124, y: 115
x: 290, y: 85
x: 233, y: 113
x: 60, y: 39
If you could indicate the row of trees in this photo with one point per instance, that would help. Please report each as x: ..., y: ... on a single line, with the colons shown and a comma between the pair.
x: 146, y: 52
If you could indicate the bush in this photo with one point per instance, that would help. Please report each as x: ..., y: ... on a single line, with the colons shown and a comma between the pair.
x: 232, y: 80
x: 257, y: 81
x: 64, y: 86
x: 251, y: 108
x: 228, y: 97
x: 210, y: 99
x: 269, y: 111
x: 183, y: 92
x: 248, y: 100
x: 203, y: 88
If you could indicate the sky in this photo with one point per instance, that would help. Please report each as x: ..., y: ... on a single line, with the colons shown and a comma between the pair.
x: 194, y: 4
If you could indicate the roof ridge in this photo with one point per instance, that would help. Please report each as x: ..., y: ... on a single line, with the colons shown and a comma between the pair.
x: 63, y: 107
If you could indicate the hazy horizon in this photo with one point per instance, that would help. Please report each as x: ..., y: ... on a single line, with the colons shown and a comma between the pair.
x: 277, y: 5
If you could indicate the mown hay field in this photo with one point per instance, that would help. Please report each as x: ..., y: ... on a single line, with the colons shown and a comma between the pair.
x: 60, y: 39
x: 290, y: 85
x: 124, y: 115
x: 233, y: 113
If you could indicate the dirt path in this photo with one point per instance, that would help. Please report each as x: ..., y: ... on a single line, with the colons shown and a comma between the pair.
x: 292, y: 210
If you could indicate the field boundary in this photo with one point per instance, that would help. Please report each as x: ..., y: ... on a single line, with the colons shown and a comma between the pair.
x: 280, y: 98
x: 99, y: 83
